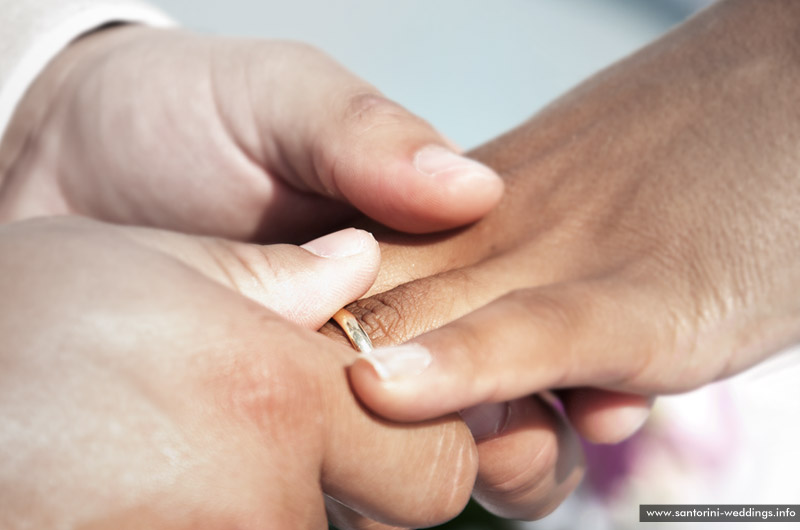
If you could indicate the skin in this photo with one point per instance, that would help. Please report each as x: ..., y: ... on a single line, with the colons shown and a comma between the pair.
x: 146, y: 384
x: 648, y: 238
x: 647, y: 244
x: 246, y: 139
x: 243, y: 139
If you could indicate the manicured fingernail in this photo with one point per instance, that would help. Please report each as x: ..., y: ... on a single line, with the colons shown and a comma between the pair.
x: 439, y: 162
x: 406, y: 360
x: 486, y: 420
x: 341, y: 244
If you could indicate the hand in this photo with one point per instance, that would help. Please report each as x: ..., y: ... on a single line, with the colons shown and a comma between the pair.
x: 140, y: 389
x: 248, y: 139
x: 647, y: 244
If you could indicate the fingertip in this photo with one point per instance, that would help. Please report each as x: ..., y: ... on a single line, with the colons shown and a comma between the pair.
x: 530, y: 465
x: 391, y: 399
x: 333, y: 271
x: 404, y: 174
x: 407, y: 383
x: 466, y: 188
x: 398, y: 363
x: 368, y: 384
x: 427, y: 190
x: 352, y: 259
x: 443, y: 480
x: 443, y: 190
x: 605, y: 417
x: 487, y: 419
x: 343, y: 244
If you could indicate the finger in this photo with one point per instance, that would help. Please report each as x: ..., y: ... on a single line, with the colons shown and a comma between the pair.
x: 565, y: 335
x: 408, y: 310
x: 345, y: 518
x: 333, y: 134
x: 399, y: 476
x: 411, y: 476
x: 542, y: 451
x: 289, y: 384
x: 530, y: 459
x: 605, y: 417
x: 305, y: 284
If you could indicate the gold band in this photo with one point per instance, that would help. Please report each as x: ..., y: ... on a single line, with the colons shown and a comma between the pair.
x: 353, y: 329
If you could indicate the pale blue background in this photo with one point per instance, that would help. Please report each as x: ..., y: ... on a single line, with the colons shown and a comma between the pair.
x: 474, y: 68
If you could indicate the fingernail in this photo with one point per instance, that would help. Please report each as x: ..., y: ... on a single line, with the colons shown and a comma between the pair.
x: 406, y: 360
x: 439, y: 162
x: 341, y: 244
x: 487, y: 419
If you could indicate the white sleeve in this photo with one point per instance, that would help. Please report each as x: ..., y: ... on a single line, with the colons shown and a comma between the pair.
x: 32, y: 32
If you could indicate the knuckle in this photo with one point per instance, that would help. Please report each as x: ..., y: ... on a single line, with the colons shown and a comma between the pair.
x: 527, y: 492
x: 643, y: 328
x: 513, y: 482
x: 450, y: 477
x: 548, y: 312
x: 366, y: 110
x: 247, y: 266
x: 560, y: 320
x: 366, y: 125
x: 476, y: 354
x: 388, y: 317
x: 411, y: 309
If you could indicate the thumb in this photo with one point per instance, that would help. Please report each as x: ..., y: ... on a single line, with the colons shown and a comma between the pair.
x: 340, y: 137
x: 403, y: 173
x: 560, y: 336
x: 304, y: 284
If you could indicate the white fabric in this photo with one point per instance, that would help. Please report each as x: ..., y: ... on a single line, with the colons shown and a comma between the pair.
x: 32, y: 32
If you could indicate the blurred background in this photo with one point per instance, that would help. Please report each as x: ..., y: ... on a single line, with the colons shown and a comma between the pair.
x: 474, y: 69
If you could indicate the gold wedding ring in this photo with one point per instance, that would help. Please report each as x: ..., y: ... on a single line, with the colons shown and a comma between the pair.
x: 353, y: 329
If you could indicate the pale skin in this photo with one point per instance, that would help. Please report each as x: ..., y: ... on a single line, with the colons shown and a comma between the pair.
x: 156, y: 380
x: 247, y: 139
x: 138, y: 348
x: 647, y: 244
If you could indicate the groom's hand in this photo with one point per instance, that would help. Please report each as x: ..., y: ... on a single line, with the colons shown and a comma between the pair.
x: 248, y: 139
